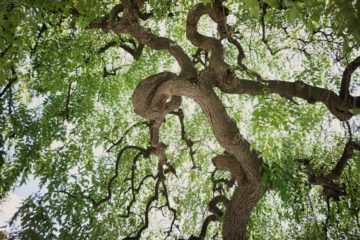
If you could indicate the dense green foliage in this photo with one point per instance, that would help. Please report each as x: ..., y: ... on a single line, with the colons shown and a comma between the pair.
x: 64, y: 103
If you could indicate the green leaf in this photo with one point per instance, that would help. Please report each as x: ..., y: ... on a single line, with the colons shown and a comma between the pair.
x: 253, y: 6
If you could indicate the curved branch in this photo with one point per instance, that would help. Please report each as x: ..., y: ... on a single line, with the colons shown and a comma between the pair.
x: 118, y: 142
x: 130, y: 24
x: 312, y: 94
x: 143, y: 96
x: 214, y: 202
x: 116, y: 174
x: 107, y: 46
x: 133, y: 189
x: 206, y: 223
x: 218, y: 14
x: 189, y: 143
x: 227, y: 162
x: 346, y: 77
x: 240, y: 58
x: 147, y: 210
x: 328, y: 181
x: 216, y: 216
x: 224, y: 128
x: 348, y: 151
x: 135, y: 51
x: 173, y: 210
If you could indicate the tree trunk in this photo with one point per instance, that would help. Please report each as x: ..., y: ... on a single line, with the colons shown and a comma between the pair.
x: 238, y: 212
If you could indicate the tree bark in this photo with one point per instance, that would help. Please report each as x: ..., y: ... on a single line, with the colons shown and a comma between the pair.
x: 247, y: 194
x: 239, y: 209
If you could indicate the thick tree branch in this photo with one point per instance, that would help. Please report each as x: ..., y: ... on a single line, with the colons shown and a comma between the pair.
x: 214, y: 202
x: 218, y: 14
x: 160, y: 94
x: 227, y: 162
x: 342, y: 162
x: 216, y: 183
x: 134, y: 51
x: 223, y: 126
x: 130, y: 24
x: 107, y: 46
x: 238, y: 210
x: 289, y: 90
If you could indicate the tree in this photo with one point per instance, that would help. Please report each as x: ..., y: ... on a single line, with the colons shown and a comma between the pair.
x: 133, y: 113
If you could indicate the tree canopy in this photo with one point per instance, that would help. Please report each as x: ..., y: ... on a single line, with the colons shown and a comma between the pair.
x: 181, y: 119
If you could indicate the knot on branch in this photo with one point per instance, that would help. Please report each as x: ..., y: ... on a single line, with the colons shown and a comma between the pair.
x: 226, y: 77
x: 227, y: 162
x: 150, y: 107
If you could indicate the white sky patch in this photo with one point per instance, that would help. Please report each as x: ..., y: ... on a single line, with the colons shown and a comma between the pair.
x: 36, y: 102
x: 162, y: 28
x: 14, y: 200
x: 175, y: 67
x: 98, y: 151
x: 56, y: 144
x: 8, y: 208
x: 336, y: 126
x: 207, y: 26
x: 31, y: 186
x: 231, y: 19
x: 189, y: 106
x: 69, y: 126
x: 74, y: 171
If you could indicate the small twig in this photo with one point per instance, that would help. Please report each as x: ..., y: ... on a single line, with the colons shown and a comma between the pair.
x: 67, y: 103
x: 116, y: 174
x: 118, y: 142
x: 263, y: 36
x: 189, y: 143
x: 11, y: 81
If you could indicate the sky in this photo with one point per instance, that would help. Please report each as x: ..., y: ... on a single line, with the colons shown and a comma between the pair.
x: 14, y: 199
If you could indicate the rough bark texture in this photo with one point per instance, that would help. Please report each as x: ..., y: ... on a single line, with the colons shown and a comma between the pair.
x: 238, y: 212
